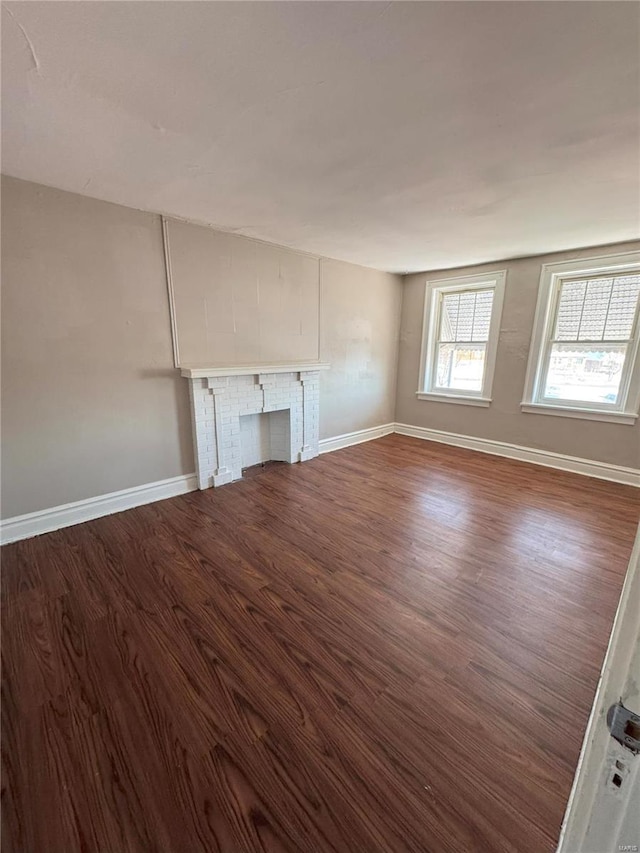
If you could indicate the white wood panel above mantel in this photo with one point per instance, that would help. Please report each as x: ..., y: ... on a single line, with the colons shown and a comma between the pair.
x: 218, y: 370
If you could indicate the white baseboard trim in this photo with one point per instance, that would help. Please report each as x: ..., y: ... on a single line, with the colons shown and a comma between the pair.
x: 327, y: 445
x: 66, y: 515
x: 587, y: 467
x: 46, y: 520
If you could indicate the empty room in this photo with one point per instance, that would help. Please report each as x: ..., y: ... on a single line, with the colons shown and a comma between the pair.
x: 320, y: 426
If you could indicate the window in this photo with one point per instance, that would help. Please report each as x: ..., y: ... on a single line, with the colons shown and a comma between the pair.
x: 460, y: 336
x: 583, y: 360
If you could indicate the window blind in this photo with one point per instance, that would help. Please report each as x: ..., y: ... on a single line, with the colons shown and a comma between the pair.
x: 466, y: 317
x: 601, y: 309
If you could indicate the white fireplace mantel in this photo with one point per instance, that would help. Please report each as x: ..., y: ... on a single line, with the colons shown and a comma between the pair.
x: 217, y: 370
x: 222, y: 394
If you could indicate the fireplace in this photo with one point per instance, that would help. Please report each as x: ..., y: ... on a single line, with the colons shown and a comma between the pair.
x: 264, y: 437
x: 224, y: 398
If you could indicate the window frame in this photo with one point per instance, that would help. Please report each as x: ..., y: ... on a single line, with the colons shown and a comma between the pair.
x: 434, y: 290
x: 625, y: 410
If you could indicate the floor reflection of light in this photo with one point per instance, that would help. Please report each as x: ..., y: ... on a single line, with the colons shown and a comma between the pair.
x: 545, y: 531
x: 503, y: 562
x: 445, y: 507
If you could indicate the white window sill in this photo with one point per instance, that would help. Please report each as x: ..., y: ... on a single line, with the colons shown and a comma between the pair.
x: 585, y: 414
x: 434, y: 397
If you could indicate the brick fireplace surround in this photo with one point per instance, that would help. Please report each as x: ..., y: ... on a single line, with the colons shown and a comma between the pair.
x: 221, y: 395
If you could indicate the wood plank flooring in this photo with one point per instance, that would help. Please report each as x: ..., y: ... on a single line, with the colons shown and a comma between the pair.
x: 393, y: 647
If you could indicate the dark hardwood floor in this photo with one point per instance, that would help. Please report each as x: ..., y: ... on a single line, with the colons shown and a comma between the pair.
x: 393, y: 647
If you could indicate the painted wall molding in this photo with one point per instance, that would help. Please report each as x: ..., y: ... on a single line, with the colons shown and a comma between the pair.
x: 328, y: 445
x: 66, y: 515
x: 587, y: 467
x: 170, y: 291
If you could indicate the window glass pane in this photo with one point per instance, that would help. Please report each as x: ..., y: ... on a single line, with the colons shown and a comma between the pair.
x: 466, y: 316
x: 460, y: 366
x: 449, y: 316
x: 594, y: 311
x: 579, y: 372
x: 597, y: 309
x: 570, y: 303
x: 624, y: 301
x: 482, y: 316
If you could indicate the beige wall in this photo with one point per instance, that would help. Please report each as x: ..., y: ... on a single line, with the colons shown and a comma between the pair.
x: 615, y: 444
x: 360, y: 319
x: 91, y: 400
x: 238, y: 300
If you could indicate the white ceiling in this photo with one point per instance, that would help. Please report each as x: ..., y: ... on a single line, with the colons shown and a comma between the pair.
x: 401, y: 136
